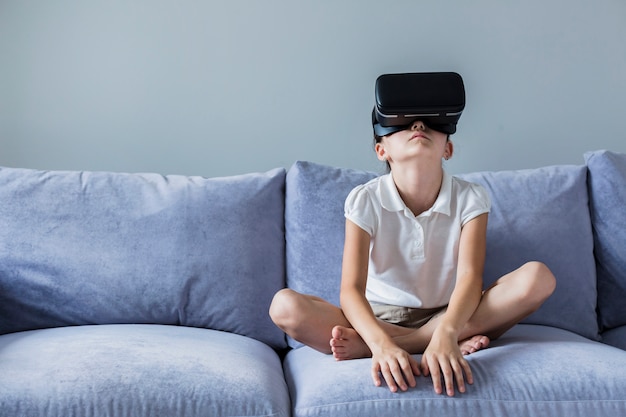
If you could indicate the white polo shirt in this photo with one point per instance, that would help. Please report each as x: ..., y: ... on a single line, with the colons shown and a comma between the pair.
x: 413, y: 259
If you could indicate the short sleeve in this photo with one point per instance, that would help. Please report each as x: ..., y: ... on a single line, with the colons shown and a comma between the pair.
x: 476, y: 202
x: 359, y: 209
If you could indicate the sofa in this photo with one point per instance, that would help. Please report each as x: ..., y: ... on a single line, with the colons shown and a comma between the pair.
x: 147, y: 295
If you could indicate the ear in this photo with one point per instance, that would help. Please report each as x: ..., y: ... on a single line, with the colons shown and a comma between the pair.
x: 449, y: 151
x: 381, y: 153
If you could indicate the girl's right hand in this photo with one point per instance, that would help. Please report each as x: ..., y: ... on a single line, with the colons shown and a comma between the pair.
x: 396, y: 366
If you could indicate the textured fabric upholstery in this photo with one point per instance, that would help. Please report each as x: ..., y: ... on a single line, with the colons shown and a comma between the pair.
x: 526, y: 223
x: 607, y: 191
x: 97, y: 248
x: 139, y: 371
x: 521, y: 374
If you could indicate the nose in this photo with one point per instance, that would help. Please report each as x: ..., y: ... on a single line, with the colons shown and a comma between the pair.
x: 418, y: 125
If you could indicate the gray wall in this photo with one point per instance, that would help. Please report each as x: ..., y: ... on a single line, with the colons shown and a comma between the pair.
x: 218, y: 88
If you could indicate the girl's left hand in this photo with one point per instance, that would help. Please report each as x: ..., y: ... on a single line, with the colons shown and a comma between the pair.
x: 443, y: 357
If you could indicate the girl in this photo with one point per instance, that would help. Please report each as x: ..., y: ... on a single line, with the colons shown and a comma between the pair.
x: 415, y: 243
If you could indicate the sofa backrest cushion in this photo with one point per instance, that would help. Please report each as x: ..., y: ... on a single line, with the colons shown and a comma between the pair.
x: 100, y: 248
x: 607, y: 192
x: 615, y: 337
x: 537, y: 214
x: 543, y: 215
x: 314, y: 226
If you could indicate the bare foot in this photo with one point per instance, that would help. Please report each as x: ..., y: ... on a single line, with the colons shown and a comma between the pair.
x: 347, y: 344
x: 474, y: 344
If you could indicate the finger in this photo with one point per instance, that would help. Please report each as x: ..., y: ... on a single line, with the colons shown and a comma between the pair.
x: 376, y: 375
x: 468, y: 371
x: 435, y: 375
x: 424, y: 366
x: 457, y: 368
x: 415, y: 366
x: 448, y: 377
x: 389, y: 379
x: 406, y: 365
x: 398, y: 375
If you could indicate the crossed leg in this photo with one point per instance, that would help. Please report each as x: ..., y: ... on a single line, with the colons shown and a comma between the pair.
x: 311, y: 320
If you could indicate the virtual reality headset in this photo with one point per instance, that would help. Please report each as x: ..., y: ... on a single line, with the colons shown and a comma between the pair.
x: 436, y: 98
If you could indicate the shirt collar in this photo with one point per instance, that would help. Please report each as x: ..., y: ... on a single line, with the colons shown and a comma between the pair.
x: 391, y: 200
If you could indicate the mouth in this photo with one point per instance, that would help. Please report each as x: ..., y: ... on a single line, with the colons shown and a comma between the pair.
x: 418, y: 135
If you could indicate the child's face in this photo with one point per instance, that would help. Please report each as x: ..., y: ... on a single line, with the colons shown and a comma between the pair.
x: 417, y: 139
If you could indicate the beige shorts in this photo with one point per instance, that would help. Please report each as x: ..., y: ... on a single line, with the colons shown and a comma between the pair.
x: 405, y: 316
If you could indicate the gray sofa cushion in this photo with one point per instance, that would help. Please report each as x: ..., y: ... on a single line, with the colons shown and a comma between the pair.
x: 615, y: 337
x: 539, y: 214
x: 96, y: 248
x: 139, y: 370
x: 530, y: 371
x: 607, y: 192
x: 314, y: 226
x: 543, y: 215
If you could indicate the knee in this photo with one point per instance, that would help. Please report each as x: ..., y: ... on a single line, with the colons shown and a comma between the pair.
x: 540, y: 281
x: 284, y: 307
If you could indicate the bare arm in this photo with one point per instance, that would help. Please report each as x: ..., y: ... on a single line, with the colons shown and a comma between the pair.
x: 353, y: 281
x: 396, y: 365
x: 443, y: 356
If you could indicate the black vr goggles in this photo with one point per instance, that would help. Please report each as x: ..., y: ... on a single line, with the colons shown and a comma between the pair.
x: 436, y: 98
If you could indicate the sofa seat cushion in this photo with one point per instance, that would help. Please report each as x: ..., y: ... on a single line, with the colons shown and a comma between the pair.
x: 607, y: 192
x: 530, y: 371
x: 139, y: 370
x: 81, y: 248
